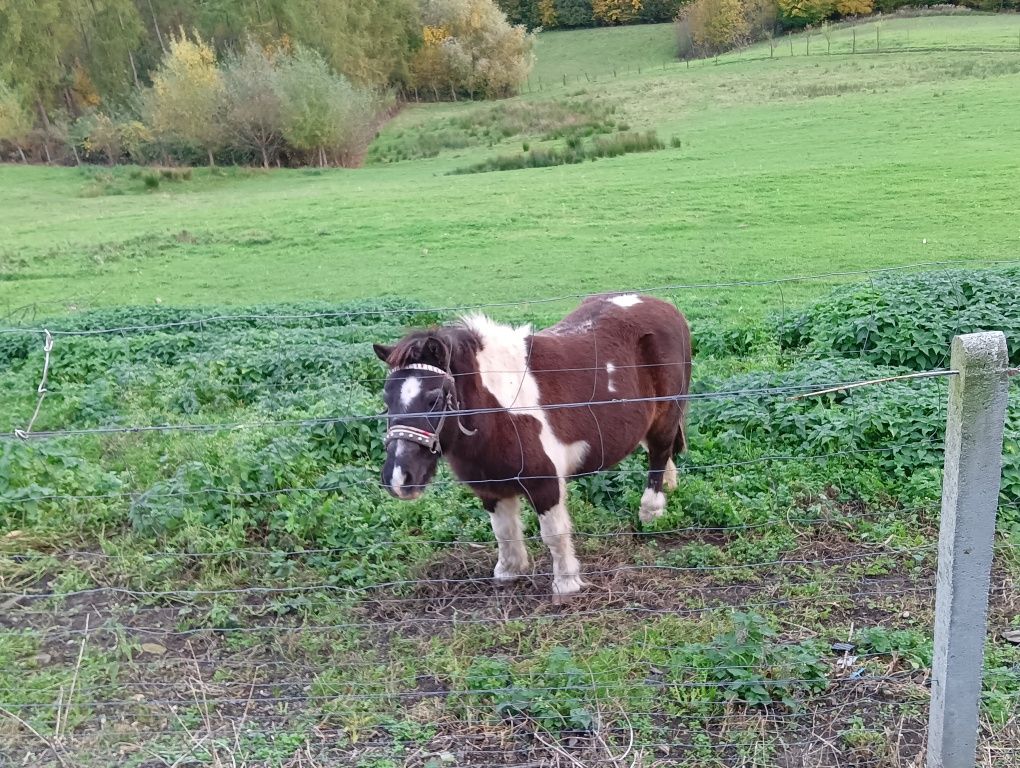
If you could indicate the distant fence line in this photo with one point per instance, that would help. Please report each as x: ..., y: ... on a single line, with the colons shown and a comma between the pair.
x: 783, y: 47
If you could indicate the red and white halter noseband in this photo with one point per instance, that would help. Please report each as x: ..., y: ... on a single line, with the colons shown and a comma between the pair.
x: 422, y: 436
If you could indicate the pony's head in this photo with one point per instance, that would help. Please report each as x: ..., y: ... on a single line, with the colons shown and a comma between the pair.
x: 420, y: 394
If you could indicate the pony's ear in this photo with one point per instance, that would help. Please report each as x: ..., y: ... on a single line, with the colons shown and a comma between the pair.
x: 435, y: 352
x: 382, y: 352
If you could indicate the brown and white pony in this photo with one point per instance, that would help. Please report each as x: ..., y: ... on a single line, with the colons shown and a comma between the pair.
x: 517, y: 413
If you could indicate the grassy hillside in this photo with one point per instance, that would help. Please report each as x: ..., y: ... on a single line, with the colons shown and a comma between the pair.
x: 799, y: 165
x: 598, y: 51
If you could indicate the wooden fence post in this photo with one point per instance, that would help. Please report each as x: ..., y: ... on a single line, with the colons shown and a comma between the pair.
x: 970, y: 497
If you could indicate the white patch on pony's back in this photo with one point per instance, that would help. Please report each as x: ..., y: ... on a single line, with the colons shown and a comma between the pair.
x: 610, y: 368
x: 503, y: 366
x: 626, y: 300
x: 409, y: 390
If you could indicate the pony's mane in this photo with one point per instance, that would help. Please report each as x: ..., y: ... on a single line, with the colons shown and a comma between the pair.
x: 455, y: 338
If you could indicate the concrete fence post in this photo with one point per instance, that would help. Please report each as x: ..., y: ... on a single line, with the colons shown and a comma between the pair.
x: 970, y: 496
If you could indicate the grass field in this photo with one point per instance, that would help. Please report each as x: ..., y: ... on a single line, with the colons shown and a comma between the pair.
x: 235, y: 589
x: 791, y: 167
x: 597, y: 52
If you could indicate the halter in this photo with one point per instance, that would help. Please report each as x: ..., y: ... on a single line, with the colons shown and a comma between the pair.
x: 422, y: 436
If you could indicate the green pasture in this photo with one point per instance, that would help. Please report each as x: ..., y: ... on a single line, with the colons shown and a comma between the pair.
x: 789, y: 167
x: 236, y: 590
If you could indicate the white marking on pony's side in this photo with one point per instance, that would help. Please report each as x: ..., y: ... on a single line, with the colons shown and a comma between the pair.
x: 503, y: 366
x: 610, y: 368
x: 509, y: 533
x: 397, y: 480
x: 652, y: 504
x: 555, y: 524
x: 626, y: 300
x: 409, y: 390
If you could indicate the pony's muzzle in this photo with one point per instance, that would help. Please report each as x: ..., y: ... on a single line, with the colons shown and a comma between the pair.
x: 401, y: 481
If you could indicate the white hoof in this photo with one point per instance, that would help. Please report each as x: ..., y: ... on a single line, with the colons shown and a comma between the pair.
x: 506, y: 573
x: 567, y: 585
x: 652, y: 505
x: 669, y: 480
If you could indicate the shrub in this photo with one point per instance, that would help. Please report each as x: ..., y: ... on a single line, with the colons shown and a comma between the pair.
x: 112, y: 137
x: 575, y: 151
x: 910, y: 320
x: 897, y: 426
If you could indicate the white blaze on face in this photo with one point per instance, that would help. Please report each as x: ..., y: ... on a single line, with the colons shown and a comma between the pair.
x: 503, y: 367
x: 397, y: 481
x: 610, y: 369
x: 626, y: 300
x: 409, y: 390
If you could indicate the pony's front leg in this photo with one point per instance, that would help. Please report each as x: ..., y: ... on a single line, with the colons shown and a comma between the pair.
x: 555, y: 524
x: 505, y: 515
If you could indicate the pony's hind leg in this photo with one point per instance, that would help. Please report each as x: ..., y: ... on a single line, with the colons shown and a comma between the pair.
x: 660, y: 441
x: 505, y: 515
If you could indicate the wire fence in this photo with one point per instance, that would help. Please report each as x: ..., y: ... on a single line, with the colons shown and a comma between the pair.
x: 836, y: 41
x: 799, y: 630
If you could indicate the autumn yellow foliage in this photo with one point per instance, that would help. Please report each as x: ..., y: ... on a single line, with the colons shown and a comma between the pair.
x: 715, y: 25
x: 615, y: 11
x: 854, y: 7
x: 547, y: 13
x: 434, y: 35
x: 187, y: 95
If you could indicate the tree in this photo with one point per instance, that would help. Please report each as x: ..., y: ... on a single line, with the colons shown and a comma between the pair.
x: 187, y: 97
x: 546, y: 13
x: 470, y: 47
x: 854, y: 7
x: 615, y: 11
x: 34, y: 39
x: 15, y: 121
x: 714, y: 25
x: 803, y: 13
x: 574, y: 13
x: 658, y: 11
x: 254, y: 108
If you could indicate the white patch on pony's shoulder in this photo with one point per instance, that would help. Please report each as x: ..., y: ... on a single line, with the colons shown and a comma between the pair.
x: 626, y: 300
x: 409, y: 390
x: 610, y: 368
x: 503, y: 367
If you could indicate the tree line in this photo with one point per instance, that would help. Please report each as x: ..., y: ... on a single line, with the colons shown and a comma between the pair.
x: 789, y: 14
x: 265, y: 81
x: 709, y: 27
